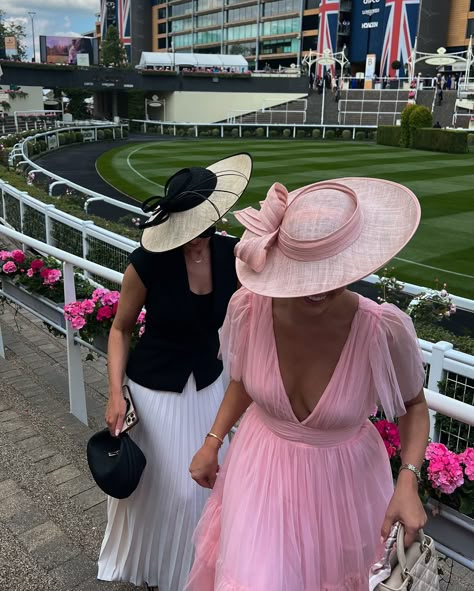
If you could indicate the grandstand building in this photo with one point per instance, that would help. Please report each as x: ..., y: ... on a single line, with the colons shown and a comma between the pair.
x: 280, y: 32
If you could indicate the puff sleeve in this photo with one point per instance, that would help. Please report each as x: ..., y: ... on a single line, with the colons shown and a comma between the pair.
x: 234, y: 335
x: 396, y: 361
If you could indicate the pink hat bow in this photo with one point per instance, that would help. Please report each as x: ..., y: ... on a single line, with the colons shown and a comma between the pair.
x: 265, y: 223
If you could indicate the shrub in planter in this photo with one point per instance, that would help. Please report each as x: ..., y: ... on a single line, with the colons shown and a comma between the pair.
x: 234, y: 132
x: 419, y: 118
x: 360, y: 136
x: 108, y: 134
x: 389, y: 135
x: 42, y: 145
x: 247, y: 133
x: 180, y: 133
x: 347, y: 134
x: 274, y: 133
x: 372, y: 135
x: 100, y: 134
x: 190, y: 132
x: 316, y: 133
x: 470, y: 139
x: 405, y: 125
x: 286, y: 132
x: 300, y: 133
x: 216, y: 132
x: 203, y: 133
x: 260, y: 132
x: 330, y: 134
x: 441, y: 140
x: 79, y: 137
x: 125, y: 132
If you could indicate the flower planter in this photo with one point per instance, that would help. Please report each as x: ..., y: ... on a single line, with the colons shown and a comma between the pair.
x: 100, y: 342
x: 453, y: 530
x: 49, y: 310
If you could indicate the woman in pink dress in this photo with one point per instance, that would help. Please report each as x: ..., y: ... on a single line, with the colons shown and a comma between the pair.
x: 305, y: 496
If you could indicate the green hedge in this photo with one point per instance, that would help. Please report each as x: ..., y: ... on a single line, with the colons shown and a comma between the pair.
x: 389, y: 135
x: 441, y: 140
x: 420, y: 118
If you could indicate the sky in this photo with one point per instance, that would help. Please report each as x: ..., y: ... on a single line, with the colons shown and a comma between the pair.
x: 53, y: 17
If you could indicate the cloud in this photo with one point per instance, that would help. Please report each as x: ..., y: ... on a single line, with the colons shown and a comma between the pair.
x: 13, y: 8
x: 67, y: 22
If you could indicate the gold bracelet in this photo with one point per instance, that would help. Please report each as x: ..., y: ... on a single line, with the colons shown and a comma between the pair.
x: 215, y: 437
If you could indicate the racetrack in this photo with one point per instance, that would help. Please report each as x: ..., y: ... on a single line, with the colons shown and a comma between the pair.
x: 442, y: 249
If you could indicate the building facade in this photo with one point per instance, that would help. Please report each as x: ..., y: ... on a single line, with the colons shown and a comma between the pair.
x: 280, y: 32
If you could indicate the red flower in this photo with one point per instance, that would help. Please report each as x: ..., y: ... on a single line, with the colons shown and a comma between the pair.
x: 18, y: 256
x: 37, y: 264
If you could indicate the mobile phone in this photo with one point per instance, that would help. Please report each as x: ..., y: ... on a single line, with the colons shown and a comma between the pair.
x: 131, y: 417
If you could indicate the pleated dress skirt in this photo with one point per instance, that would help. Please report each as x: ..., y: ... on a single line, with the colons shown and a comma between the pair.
x: 148, y: 538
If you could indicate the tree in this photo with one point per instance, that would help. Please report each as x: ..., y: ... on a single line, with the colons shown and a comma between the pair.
x: 76, y: 106
x: 112, y: 51
x: 9, y: 28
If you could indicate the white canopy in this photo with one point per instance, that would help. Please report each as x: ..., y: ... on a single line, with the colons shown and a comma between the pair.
x: 199, y: 60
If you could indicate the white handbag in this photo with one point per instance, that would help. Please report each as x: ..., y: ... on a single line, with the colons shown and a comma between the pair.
x: 406, y: 569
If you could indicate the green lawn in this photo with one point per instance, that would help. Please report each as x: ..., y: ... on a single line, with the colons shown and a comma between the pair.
x: 443, y: 247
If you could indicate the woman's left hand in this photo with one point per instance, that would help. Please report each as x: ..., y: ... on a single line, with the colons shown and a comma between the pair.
x: 406, y: 507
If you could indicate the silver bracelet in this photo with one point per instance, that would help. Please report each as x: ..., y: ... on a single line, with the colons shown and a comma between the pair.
x: 413, y: 469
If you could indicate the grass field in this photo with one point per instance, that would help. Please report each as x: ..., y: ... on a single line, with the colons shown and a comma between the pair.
x: 443, y: 247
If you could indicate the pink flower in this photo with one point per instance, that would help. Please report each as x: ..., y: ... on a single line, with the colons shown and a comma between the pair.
x: 141, y: 317
x: 390, y: 435
x: 78, y: 322
x: 30, y: 272
x: 104, y: 313
x: 37, y: 264
x: 98, y: 293
x: 110, y: 298
x: 9, y: 267
x: 18, y: 256
x: 141, y: 331
x: 444, y: 468
x: 50, y: 276
x: 87, y: 306
x: 5, y: 255
x: 467, y: 458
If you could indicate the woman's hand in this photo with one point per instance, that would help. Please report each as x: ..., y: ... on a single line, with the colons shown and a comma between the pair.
x: 204, y: 466
x: 406, y: 507
x: 115, y: 413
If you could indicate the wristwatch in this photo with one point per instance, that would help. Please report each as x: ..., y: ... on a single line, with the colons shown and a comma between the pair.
x: 413, y: 469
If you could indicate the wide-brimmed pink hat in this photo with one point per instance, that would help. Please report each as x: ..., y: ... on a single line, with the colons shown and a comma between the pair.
x: 323, y: 236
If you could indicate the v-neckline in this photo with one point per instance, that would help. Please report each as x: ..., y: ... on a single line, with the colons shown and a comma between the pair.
x: 331, y: 379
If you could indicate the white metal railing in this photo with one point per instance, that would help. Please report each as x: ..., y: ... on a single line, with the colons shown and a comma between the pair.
x: 59, y: 229
x: 173, y: 128
x: 440, y: 356
x: 77, y: 395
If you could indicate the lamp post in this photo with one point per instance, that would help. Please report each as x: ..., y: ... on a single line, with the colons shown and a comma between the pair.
x: 32, y: 16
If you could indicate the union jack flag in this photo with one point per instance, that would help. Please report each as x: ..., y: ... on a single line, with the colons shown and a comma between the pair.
x: 117, y: 13
x: 328, y: 22
x: 401, y: 21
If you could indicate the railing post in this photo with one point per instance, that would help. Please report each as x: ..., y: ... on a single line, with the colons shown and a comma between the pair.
x: 77, y: 392
x: 47, y: 224
x: 85, y: 241
x: 437, y: 374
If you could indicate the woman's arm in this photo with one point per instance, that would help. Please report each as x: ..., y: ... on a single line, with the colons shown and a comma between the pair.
x: 132, y: 299
x: 405, y: 505
x: 204, y: 465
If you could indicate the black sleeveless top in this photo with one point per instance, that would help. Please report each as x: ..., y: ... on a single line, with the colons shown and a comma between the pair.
x: 181, y: 334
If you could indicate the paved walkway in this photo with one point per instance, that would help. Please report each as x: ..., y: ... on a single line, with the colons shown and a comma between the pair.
x: 52, y: 516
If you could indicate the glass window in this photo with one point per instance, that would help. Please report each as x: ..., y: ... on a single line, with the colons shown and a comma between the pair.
x: 208, y: 37
x: 161, y: 13
x: 470, y: 27
x: 161, y: 28
x: 181, y: 25
x: 246, y: 13
x: 279, y: 46
x: 280, y: 7
x: 280, y: 27
x: 242, y: 48
x: 209, y: 20
x: 181, y: 9
x: 471, y: 7
x: 182, y: 40
x: 208, y: 4
x: 242, y: 32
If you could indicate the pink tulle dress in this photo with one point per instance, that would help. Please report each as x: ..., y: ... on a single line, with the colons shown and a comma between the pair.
x: 298, y: 506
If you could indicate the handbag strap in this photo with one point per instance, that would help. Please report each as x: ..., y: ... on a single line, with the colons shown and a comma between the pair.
x: 402, y: 559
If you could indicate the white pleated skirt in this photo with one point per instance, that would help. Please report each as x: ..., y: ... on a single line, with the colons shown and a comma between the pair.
x: 148, y: 535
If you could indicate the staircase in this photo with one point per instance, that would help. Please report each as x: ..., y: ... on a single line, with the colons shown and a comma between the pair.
x: 313, y: 111
x: 444, y: 113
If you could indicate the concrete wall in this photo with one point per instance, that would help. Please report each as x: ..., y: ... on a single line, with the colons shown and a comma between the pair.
x: 209, y: 107
x: 32, y: 102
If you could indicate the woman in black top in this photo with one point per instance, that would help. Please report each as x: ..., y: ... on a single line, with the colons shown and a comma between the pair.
x: 184, y: 275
